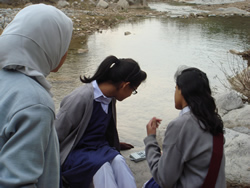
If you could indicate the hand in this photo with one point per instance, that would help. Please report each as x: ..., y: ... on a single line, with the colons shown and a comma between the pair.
x: 152, y: 125
x: 125, y: 146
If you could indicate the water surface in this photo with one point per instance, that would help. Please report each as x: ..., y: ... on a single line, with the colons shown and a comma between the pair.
x: 159, y: 46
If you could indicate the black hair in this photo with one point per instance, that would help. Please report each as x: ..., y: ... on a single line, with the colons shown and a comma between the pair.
x: 195, y: 89
x: 116, y: 71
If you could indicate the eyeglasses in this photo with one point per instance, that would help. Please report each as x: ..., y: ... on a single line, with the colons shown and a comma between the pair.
x: 134, y: 92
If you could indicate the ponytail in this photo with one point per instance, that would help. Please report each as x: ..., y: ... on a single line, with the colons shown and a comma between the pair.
x: 117, y: 70
x: 102, y: 70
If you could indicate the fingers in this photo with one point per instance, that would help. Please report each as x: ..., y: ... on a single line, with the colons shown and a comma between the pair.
x: 125, y: 146
x: 156, y: 122
x: 157, y: 119
x: 152, y: 125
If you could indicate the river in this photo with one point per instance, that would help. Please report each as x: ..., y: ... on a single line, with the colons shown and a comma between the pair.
x: 159, y: 45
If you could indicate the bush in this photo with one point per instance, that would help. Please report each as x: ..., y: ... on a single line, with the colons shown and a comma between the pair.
x: 237, y: 74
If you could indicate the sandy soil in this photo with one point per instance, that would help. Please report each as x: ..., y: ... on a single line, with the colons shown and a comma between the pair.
x: 98, y: 19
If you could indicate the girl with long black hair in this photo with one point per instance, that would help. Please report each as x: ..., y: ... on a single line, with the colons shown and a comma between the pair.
x: 189, y: 139
x: 86, y: 127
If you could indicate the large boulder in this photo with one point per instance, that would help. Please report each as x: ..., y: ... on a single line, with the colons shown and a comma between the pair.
x: 238, y: 119
x: 237, y: 152
x: 227, y: 101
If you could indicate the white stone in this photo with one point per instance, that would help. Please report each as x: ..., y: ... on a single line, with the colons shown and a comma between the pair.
x: 127, y: 33
x: 82, y: 51
x: 62, y: 4
x: 102, y: 4
x: 238, y: 118
x: 227, y: 101
x: 237, y: 152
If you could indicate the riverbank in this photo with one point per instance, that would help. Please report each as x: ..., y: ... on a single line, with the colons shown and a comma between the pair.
x: 160, y: 73
x: 88, y: 18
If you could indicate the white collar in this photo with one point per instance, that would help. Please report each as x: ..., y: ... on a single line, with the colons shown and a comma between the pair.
x: 100, y: 97
x: 184, y: 110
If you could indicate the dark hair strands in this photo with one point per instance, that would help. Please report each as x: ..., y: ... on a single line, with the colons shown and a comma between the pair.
x: 116, y: 71
x: 195, y: 89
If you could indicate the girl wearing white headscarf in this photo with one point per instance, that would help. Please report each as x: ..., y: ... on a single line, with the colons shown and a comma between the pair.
x: 34, y: 44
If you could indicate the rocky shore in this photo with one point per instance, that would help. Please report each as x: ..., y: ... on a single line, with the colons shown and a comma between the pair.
x: 88, y: 18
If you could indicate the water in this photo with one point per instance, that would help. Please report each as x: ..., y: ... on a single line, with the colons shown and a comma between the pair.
x: 159, y: 46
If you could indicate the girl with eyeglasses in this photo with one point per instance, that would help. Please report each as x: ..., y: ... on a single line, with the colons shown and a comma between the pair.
x: 86, y: 127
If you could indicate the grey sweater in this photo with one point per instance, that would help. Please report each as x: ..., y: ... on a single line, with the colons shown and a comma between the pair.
x: 185, y: 157
x: 29, y: 149
x: 74, y: 116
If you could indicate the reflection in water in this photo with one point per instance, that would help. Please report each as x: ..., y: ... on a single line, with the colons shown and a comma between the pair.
x: 159, y: 46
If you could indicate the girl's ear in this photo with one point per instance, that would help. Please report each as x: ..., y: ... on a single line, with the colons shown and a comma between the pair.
x: 124, y: 84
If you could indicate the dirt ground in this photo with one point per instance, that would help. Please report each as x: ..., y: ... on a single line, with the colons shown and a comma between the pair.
x: 99, y: 18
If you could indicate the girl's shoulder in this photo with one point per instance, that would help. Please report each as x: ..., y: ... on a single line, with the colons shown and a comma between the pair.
x: 86, y: 91
x: 81, y: 95
x: 185, y: 130
x: 185, y: 122
x: 188, y: 116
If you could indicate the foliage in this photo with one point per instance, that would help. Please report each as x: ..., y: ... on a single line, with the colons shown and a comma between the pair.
x: 237, y: 74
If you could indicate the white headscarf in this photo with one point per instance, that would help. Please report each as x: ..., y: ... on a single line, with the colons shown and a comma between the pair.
x: 35, y: 41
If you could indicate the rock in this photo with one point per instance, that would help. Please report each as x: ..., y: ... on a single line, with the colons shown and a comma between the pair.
x: 123, y: 4
x: 102, y: 4
x: 233, y: 10
x: 192, y: 15
x: 244, y: 130
x: 227, y: 101
x: 245, y: 55
x: 28, y: 4
x: 81, y: 35
x: 138, y: 2
x: 238, y: 118
x: 200, y: 17
x: 202, y: 14
x: 230, y: 11
x: 81, y: 51
x: 127, y: 33
x: 75, y: 3
x: 62, y: 4
x: 237, y: 152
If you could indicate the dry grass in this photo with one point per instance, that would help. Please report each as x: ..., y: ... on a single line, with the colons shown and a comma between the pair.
x: 237, y: 74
